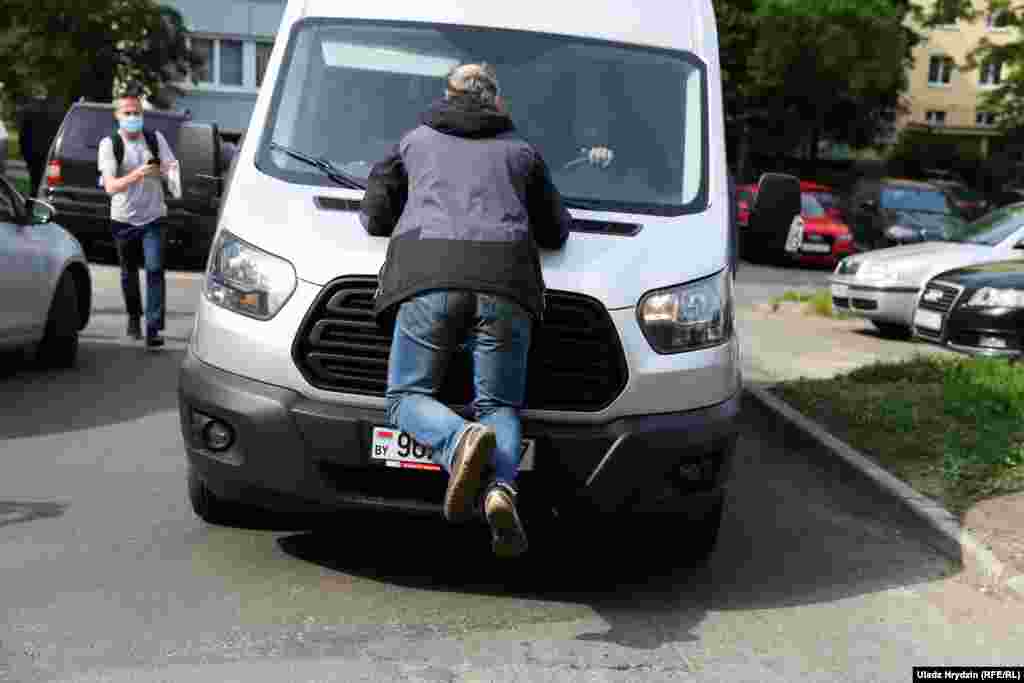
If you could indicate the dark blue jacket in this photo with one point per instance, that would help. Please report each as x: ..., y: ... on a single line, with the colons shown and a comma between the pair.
x: 466, y: 202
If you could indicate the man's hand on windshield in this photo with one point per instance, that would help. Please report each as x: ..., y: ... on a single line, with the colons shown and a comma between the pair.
x: 599, y: 156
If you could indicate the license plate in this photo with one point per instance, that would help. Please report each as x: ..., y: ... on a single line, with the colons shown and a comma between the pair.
x: 817, y: 248
x: 840, y: 291
x: 929, y: 320
x: 395, y: 448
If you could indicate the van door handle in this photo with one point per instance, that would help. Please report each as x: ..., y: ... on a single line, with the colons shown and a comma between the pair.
x: 207, y: 177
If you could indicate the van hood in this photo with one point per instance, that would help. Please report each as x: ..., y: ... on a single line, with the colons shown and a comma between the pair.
x: 325, y: 243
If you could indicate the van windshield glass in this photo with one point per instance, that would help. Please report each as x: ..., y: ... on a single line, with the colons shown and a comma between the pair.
x: 348, y: 92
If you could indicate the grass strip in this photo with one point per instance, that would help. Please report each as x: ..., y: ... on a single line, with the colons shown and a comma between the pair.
x: 952, y: 428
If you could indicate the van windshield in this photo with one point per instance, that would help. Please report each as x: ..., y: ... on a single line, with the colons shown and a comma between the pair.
x: 347, y: 92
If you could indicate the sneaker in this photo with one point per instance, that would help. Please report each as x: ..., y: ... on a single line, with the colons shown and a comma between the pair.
x: 154, y: 341
x: 472, y: 456
x: 508, y: 538
x: 134, y: 328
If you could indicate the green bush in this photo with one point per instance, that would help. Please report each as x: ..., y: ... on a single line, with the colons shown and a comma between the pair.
x: 13, y: 147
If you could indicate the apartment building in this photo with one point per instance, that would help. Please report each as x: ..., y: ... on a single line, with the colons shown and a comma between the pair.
x: 945, y: 98
x: 235, y: 37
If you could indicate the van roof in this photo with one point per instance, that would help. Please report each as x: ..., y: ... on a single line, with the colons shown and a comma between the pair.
x: 688, y: 25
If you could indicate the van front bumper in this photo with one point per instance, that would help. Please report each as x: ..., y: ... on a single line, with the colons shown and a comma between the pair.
x: 290, y: 453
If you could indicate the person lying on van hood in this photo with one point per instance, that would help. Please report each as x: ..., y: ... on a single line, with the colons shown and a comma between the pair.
x: 466, y: 202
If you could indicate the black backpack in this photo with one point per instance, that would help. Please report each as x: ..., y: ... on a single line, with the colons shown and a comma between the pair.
x: 151, y: 143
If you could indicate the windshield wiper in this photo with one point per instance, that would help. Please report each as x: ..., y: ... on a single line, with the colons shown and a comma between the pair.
x: 328, y: 169
x: 584, y: 204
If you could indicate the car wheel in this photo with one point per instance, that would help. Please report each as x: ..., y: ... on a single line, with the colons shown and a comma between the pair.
x: 213, y: 509
x: 892, y: 330
x: 59, y: 347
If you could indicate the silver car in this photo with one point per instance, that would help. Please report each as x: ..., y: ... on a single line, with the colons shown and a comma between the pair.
x: 45, y: 287
x: 883, y: 285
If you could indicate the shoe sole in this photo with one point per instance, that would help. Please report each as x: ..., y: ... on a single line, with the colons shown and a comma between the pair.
x: 508, y: 539
x: 465, y: 484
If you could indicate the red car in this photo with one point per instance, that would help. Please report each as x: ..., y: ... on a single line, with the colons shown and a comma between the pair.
x: 827, y: 239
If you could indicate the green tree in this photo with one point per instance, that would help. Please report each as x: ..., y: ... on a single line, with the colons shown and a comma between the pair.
x: 67, y: 50
x: 801, y: 70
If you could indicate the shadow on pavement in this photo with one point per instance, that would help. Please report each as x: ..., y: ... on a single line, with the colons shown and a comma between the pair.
x: 796, y: 532
x: 113, y: 383
x: 15, y: 512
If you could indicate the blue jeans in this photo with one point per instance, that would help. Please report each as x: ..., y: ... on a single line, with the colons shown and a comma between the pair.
x: 429, y: 329
x: 142, y: 247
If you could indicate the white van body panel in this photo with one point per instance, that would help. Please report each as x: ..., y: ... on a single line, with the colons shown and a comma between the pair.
x: 657, y: 383
x: 282, y: 218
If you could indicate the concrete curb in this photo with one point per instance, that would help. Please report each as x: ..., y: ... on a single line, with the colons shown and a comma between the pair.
x: 946, y: 534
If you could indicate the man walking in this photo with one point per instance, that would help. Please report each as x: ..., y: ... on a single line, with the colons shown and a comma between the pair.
x: 131, y: 162
x: 466, y: 202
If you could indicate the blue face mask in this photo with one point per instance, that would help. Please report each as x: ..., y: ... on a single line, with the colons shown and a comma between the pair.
x: 131, y: 124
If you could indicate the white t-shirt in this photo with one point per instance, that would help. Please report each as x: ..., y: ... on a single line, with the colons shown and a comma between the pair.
x: 140, y: 203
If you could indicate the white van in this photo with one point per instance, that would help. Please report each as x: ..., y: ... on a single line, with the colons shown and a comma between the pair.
x: 634, y: 375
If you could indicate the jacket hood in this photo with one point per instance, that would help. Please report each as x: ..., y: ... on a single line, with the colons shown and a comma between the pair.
x: 466, y: 119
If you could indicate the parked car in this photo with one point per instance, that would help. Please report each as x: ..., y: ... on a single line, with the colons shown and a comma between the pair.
x: 824, y: 238
x: 978, y: 310
x: 882, y: 285
x: 970, y: 202
x: 829, y: 198
x: 634, y: 380
x: 885, y: 212
x: 72, y: 186
x: 45, y: 286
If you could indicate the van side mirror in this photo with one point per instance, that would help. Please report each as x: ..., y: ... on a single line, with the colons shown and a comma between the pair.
x: 1019, y: 245
x: 41, y: 212
x: 776, y: 204
x: 869, y: 205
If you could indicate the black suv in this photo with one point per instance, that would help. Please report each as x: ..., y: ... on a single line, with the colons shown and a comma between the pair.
x: 71, y: 182
x: 884, y: 212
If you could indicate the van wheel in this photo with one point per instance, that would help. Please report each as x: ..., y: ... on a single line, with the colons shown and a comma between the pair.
x: 215, y: 510
x: 59, y: 347
x: 703, y: 534
x: 892, y: 330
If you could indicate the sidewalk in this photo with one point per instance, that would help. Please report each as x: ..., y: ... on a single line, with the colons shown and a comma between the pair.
x: 787, y: 345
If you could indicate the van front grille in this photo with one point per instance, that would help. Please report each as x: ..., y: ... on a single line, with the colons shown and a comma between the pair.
x: 576, y: 361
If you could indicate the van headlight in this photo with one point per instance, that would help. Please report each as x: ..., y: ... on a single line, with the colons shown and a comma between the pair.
x: 247, y: 280
x: 688, y: 317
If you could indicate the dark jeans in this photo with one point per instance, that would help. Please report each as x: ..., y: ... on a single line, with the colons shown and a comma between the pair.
x: 429, y: 329
x: 142, y: 247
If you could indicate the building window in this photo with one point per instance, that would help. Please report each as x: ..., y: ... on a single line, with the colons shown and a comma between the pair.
x: 940, y: 70
x: 231, y: 70
x: 230, y: 63
x: 985, y: 118
x: 991, y: 73
x: 262, y: 59
x: 203, y: 47
x: 1000, y: 19
x: 935, y: 118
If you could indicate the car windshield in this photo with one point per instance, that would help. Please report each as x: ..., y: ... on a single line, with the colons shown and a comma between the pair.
x: 915, y: 199
x: 348, y: 91
x: 992, y: 228
x: 810, y: 207
x: 826, y: 199
x: 88, y: 126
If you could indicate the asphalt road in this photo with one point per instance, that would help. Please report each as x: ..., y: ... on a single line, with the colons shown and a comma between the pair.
x: 106, y: 575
